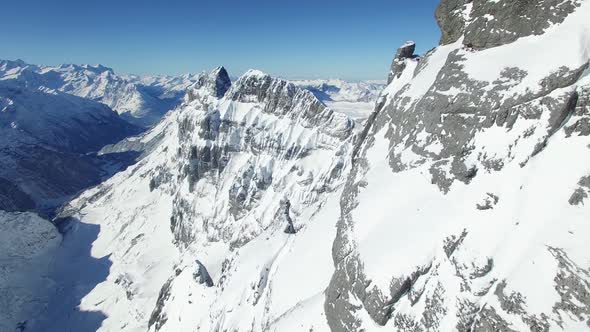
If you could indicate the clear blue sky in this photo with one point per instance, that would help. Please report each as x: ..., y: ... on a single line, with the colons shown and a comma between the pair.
x: 294, y: 39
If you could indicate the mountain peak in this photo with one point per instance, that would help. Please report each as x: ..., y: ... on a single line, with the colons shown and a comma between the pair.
x: 222, y: 81
x: 254, y: 73
x: 9, y: 64
x: 98, y: 68
x: 215, y: 83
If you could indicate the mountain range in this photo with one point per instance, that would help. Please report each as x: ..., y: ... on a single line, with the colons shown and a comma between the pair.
x: 456, y: 203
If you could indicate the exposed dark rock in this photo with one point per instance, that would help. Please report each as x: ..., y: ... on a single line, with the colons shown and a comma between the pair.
x: 578, y: 197
x: 582, y: 112
x: 158, y: 318
x: 125, y: 281
x: 216, y: 84
x: 488, y: 320
x: 488, y: 24
x: 398, y: 65
x: 581, y: 193
x: 290, y: 229
x: 450, y: 19
x: 572, y: 283
x: 452, y: 243
x: 489, y: 202
x: 202, y: 276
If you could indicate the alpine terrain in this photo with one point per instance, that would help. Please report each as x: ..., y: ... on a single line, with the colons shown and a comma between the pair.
x: 140, y: 101
x: 459, y: 203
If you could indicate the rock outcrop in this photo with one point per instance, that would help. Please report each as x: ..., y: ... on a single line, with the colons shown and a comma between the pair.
x: 398, y: 65
x: 485, y: 24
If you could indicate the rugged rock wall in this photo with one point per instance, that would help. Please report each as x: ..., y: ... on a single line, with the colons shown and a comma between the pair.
x: 485, y: 24
x: 472, y: 142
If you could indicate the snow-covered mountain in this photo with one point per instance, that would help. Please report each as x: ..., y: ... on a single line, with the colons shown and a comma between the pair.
x: 460, y: 206
x: 355, y: 99
x: 204, y: 220
x: 141, y: 101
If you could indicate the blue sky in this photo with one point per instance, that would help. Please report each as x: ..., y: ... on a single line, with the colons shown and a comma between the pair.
x: 346, y: 39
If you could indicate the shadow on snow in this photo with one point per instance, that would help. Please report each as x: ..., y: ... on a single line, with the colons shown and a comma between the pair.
x: 76, y: 273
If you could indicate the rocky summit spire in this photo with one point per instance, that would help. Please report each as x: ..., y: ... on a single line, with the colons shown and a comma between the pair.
x: 216, y: 83
x: 406, y: 51
x: 222, y: 81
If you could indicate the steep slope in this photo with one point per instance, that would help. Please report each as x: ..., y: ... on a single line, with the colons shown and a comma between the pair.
x: 141, y: 103
x: 355, y: 99
x: 46, y: 140
x: 465, y: 208
x: 209, y: 229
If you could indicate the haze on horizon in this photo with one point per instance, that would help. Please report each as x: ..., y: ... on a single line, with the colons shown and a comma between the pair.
x: 304, y: 39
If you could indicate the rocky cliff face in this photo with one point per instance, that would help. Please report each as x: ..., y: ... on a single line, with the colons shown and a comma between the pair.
x: 483, y: 145
x: 485, y: 24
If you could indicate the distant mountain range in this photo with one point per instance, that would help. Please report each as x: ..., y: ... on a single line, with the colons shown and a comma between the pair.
x: 139, y: 100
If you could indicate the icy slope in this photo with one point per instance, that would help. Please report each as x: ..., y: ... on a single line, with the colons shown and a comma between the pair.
x: 214, y: 228
x: 140, y: 101
x: 466, y: 208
